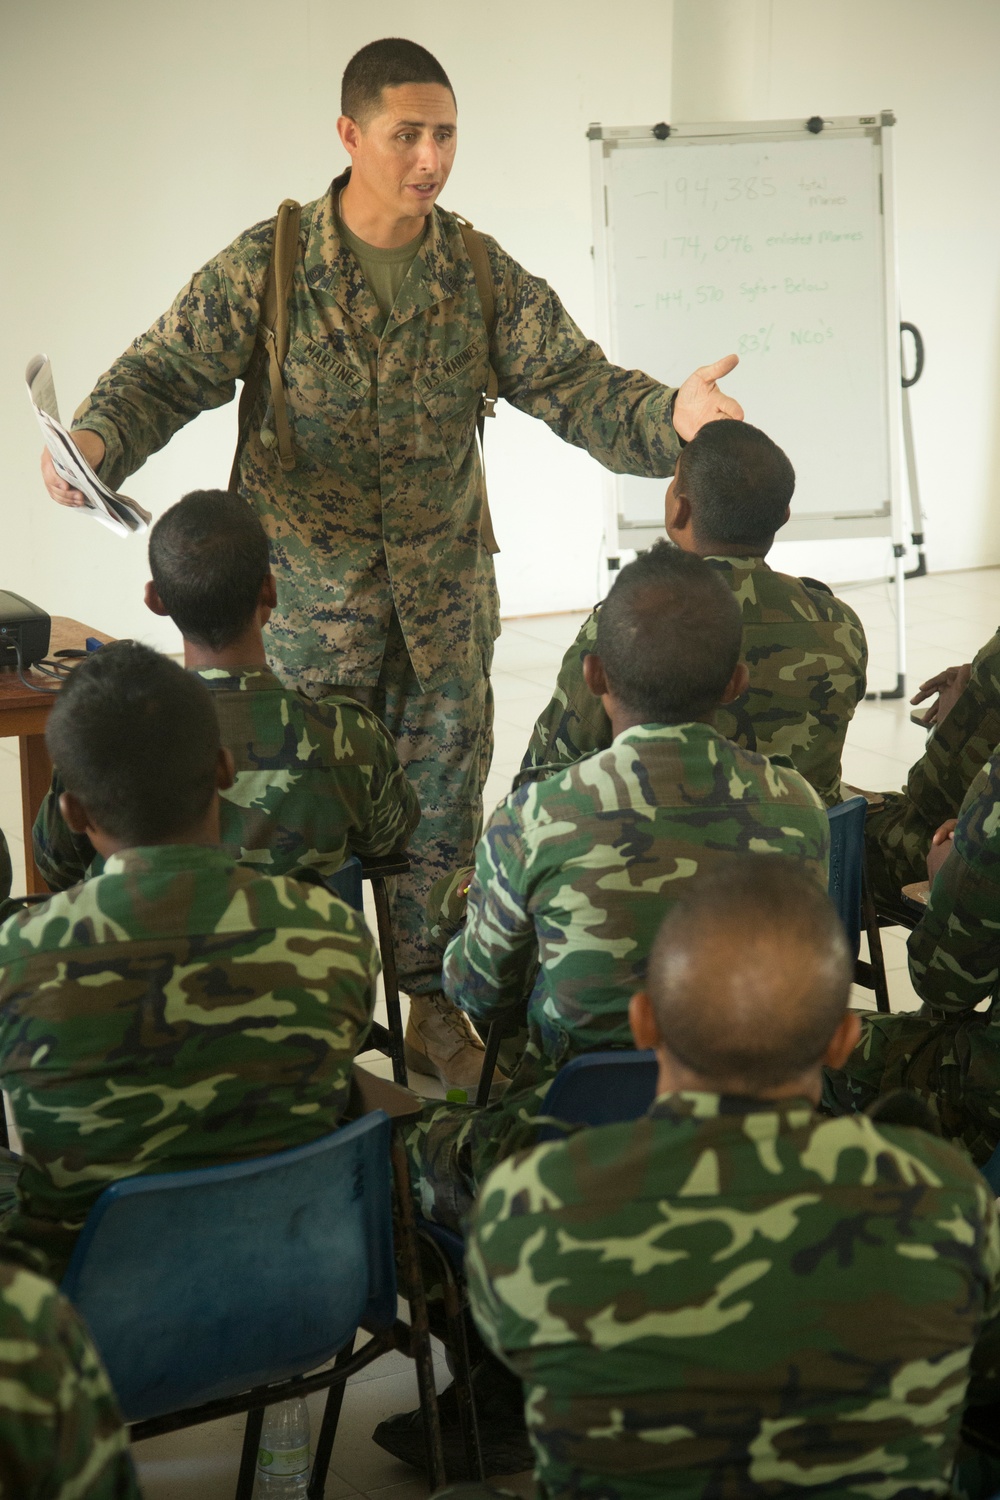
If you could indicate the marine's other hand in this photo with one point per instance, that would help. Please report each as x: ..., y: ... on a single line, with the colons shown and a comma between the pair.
x: 91, y: 445
x: 699, y: 399
x: 949, y: 686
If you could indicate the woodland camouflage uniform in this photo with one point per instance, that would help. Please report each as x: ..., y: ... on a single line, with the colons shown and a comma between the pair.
x: 314, y: 783
x: 898, y: 835
x: 573, y: 878
x: 734, y: 1297
x: 951, y: 1055
x: 61, y: 1434
x: 176, y: 1011
x: 381, y: 519
x: 807, y: 657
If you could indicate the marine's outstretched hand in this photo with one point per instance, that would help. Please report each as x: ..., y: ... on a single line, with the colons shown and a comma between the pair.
x: 699, y: 399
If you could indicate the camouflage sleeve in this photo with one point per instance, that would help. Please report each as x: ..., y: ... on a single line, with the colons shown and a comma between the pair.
x: 186, y: 363
x: 984, y: 1382
x: 63, y: 857
x: 955, y: 951
x: 394, y: 810
x: 547, y: 368
x: 489, y: 965
x: 6, y: 873
x: 61, y: 1434
x: 574, y: 724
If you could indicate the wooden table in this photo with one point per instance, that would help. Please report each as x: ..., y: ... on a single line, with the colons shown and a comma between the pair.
x: 24, y: 713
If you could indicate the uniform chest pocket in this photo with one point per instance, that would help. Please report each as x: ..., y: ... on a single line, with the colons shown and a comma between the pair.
x: 450, y: 395
x: 325, y: 396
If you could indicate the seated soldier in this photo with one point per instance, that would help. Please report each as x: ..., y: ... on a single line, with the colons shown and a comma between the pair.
x: 314, y: 781
x: 735, y: 1295
x: 965, y: 731
x: 61, y: 1433
x: 948, y: 1054
x: 805, y: 650
x: 177, y: 1010
x: 573, y: 873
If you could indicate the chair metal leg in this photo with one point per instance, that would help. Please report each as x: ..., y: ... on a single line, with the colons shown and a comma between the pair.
x: 390, y: 978
x: 328, y: 1427
x: 454, y: 1311
x: 494, y: 1037
x: 876, y: 958
x: 409, y: 1257
x: 248, y: 1458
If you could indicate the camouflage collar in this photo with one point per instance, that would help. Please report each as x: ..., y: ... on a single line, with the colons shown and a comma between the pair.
x: 166, y: 859
x: 749, y: 564
x: 240, y: 679
x: 332, y: 269
x: 686, y: 733
x: 691, y: 1105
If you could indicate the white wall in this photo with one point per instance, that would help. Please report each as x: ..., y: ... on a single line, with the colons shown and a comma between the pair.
x: 165, y: 130
x: 138, y: 139
x: 936, y: 66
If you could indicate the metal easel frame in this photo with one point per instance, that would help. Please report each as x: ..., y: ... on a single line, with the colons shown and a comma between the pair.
x: 888, y: 523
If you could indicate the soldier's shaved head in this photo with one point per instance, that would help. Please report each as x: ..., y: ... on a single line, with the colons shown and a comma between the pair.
x: 136, y: 742
x: 208, y: 555
x: 749, y: 974
x: 668, y: 637
x: 388, y: 63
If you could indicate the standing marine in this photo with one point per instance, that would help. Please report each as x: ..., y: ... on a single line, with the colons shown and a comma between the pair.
x: 377, y: 517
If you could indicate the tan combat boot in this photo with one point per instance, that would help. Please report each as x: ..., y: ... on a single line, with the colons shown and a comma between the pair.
x: 441, y: 1043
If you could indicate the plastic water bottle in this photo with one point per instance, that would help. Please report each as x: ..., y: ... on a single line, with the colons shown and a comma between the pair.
x: 283, y: 1455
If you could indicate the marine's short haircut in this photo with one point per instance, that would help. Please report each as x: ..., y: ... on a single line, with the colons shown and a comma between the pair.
x: 136, y: 739
x: 750, y: 973
x: 739, y: 484
x: 386, y: 64
x: 208, y: 557
x: 669, y: 636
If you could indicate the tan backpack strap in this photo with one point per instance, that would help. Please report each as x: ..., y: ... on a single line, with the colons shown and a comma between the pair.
x: 476, y: 248
x: 272, y: 336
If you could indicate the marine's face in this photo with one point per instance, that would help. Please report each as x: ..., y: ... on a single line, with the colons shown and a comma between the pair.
x: 405, y: 153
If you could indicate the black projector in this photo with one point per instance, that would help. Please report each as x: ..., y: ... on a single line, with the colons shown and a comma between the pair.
x: 24, y: 629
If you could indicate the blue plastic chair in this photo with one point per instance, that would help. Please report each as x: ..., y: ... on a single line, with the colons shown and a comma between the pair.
x: 600, y: 1088
x: 849, y: 893
x: 215, y: 1291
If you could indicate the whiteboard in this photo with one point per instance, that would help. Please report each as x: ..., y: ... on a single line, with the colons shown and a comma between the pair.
x: 774, y: 243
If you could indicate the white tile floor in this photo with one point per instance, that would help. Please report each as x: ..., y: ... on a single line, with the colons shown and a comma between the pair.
x: 949, y: 617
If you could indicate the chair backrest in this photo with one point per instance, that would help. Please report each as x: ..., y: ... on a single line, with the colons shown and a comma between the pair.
x: 847, y: 845
x: 346, y: 883
x: 198, y: 1285
x: 600, y: 1088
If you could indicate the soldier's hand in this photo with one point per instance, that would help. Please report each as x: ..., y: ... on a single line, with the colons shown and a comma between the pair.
x: 941, y: 847
x: 949, y: 686
x: 91, y: 445
x: 699, y: 399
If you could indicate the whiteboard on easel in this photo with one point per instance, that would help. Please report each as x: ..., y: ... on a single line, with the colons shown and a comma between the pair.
x: 776, y: 243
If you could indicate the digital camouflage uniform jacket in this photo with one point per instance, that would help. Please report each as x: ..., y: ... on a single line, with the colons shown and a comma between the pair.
x: 898, y: 835
x: 61, y: 1434
x: 174, y: 1012
x: 383, y: 509
x: 732, y: 1297
x: 314, y: 783
x: 573, y: 877
x: 951, y: 1055
x: 807, y: 656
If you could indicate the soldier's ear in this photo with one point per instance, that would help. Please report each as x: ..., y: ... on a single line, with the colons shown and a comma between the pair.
x: 268, y: 598
x: 843, y: 1041
x: 152, y: 600
x: 595, y: 676
x: 225, y: 769
x: 75, y: 815
x: 642, y: 1021
x: 737, y: 684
